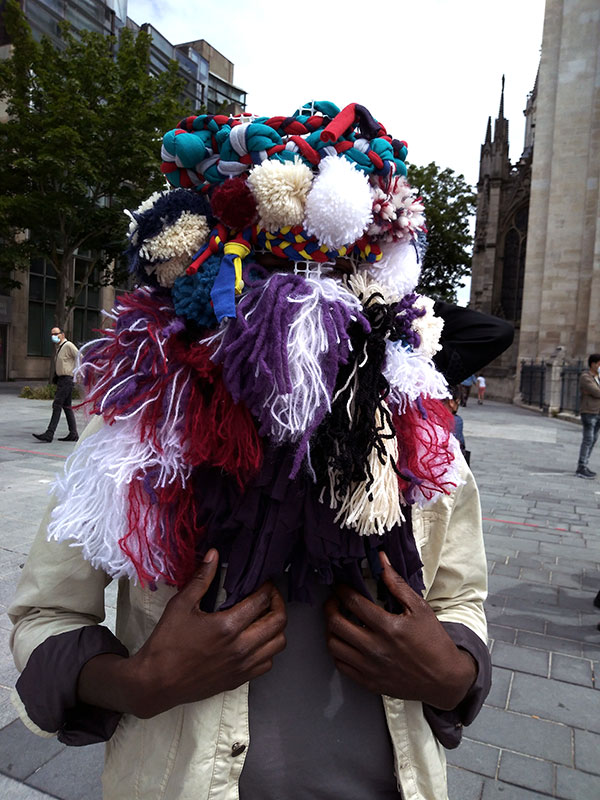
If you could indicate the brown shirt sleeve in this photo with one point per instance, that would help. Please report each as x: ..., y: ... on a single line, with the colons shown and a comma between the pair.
x: 588, y: 385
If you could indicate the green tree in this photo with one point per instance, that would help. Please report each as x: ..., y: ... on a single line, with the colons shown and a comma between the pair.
x: 79, y: 144
x: 449, y: 202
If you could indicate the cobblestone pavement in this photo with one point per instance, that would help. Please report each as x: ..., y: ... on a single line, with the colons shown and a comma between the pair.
x: 538, y: 735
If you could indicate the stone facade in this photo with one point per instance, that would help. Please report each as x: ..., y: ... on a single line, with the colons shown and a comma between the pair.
x: 561, y: 297
x: 537, y: 246
x: 500, y: 237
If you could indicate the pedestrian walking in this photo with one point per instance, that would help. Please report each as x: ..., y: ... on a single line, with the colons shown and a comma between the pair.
x: 465, y: 387
x: 480, y: 389
x: 65, y: 360
x: 589, y: 388
x: 266, y: 481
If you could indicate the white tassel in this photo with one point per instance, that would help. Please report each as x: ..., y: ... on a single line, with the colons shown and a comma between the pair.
x: 375, y: 509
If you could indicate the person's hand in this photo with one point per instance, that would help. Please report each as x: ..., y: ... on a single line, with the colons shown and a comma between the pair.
x: 408, y: 655
x: 191, y: 654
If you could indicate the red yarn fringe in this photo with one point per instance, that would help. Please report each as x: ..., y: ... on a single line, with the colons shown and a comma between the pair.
x: 425, y: 449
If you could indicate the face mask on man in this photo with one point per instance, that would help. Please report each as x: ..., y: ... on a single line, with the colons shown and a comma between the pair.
x: 55, y: 338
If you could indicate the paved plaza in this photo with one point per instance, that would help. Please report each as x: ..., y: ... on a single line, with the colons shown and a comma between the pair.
x: 538, y: 735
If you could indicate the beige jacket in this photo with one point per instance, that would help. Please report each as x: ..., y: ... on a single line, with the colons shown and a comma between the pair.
x: 66, y: 359
x: 186, y: 753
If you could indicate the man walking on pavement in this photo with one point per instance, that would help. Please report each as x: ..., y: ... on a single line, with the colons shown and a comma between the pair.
x: 64, y: 364
x: 589, y: 387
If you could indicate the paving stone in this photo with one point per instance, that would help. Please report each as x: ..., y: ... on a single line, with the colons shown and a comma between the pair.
x: 530, y: 773
x: 501, y: 681
x: 573, y: 630
x: 523, y: 560
x: 501, y: 633
x: 556, y: 701
x: 591, y: 651
x: 464, y: 785
x: 476, y: 757
x: 499, y: 790
x: 572, y: 670
x: 22, y: 752
x: 587, y: 751
x: 569, y: 646
x: 13, y: 790
x: 522, y: 733
x: 534, y: 622
x: 521, y: 659
x: 74, y: 774
x: 575, y: 785
x: 535, y: 575
x: 504, y: 569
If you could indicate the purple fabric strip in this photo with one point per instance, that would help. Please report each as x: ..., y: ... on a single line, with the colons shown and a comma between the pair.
x: 278, y: 524
x: 48, y: 686
x: 448, y: 725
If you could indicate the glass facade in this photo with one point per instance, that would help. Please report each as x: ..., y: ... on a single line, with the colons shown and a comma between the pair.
x: 42, y: 304
x: 86, y: 312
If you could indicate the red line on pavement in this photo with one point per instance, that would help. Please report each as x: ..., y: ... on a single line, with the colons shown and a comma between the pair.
x: 33, y: 452
x: 527, y: 524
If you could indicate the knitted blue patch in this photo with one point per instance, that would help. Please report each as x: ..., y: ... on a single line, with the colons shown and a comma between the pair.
x: 191, y: 293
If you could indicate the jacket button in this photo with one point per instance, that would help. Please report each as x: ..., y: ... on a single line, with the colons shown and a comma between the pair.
x: 237, y: 749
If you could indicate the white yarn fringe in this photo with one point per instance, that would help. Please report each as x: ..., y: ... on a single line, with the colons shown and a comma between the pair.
x: 290, y: 414
x: 93, y: 491
x: 411, y: 375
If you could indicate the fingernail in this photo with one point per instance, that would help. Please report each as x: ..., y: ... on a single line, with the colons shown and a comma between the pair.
x: 385, y: 558
x: 209, y: 557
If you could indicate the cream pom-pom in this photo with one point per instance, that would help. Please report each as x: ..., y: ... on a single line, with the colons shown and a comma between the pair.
x: 184, y: 238
x: 280, y: 190
x: 339, y: 205
x: 399, y: 268
x: 429, y: 327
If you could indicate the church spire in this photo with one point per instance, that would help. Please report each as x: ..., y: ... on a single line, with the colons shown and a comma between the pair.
x: 501, y: 109
x: 488, y: 133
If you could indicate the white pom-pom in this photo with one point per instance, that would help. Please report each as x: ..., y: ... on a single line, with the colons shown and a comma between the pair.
x: 429, y: 327
x: 339, y: 205
x: 280, y: 190
x: 398, y: 268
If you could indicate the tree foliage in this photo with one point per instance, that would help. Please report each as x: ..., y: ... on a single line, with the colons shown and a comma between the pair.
x: 80, y: 143
x: 449, y: 202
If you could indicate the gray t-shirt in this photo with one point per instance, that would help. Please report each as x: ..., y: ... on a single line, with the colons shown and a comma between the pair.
x: 315, y: 734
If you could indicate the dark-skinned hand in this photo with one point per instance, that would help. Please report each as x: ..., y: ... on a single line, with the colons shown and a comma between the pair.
x: 408, y: 655
x: 191, y: 655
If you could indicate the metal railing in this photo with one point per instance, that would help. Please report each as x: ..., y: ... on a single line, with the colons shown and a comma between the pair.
x: 569, y: 386
x: 533, y: 383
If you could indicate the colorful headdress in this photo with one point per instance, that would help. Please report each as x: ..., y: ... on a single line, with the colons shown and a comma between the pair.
x: 278, y: 343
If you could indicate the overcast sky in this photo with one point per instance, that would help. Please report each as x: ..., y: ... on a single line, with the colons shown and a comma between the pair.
x: 429, y: 70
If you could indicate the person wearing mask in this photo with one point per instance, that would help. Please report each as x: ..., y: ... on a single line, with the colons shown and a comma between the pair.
x: 65, y: 360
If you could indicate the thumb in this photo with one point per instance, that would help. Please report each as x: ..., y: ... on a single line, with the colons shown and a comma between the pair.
x: 397, y: 586
x: 199, y: 583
